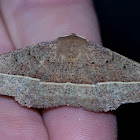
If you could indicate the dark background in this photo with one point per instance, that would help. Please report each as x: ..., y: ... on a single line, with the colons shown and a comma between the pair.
x: 120, y: 30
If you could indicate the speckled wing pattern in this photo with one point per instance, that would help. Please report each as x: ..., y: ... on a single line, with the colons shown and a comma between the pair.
x: 69, y: 71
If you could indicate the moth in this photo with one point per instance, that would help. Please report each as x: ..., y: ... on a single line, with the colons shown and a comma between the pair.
x: 69, y: 71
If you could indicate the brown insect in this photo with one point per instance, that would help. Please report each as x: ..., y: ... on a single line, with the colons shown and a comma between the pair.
x: 69, y: 71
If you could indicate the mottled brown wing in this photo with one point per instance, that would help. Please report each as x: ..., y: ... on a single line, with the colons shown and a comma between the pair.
x: 59, y: 61
x: 29, y: 61
x: 70, y: 59
x: 104, y: 65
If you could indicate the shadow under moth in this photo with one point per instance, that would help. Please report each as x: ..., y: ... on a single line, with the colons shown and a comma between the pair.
x: 69, y: 71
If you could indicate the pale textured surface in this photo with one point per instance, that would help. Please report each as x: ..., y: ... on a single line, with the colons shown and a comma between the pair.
x: 47, y: 70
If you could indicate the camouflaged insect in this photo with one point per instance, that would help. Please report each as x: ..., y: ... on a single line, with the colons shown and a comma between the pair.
x: 69, y: 71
